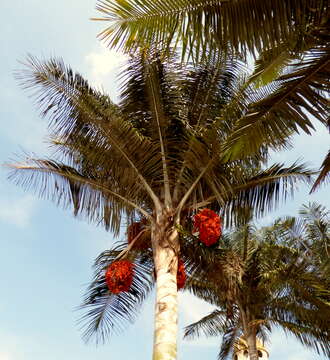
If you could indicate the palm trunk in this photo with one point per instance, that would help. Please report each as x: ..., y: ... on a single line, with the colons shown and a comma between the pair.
x: 165, y: 249
x: 250, y: 334
x: 251, y: 340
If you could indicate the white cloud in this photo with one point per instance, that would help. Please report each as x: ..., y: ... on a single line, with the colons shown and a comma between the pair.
x: 17, y: 212
x: 9, y: 344
x: 103, y: 65
x: 5, y: 356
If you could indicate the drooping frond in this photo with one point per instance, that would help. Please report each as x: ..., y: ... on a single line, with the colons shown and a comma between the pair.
x: 99, y: 200
x: 107, y: 313
x: 199, y: 25
x: 317, y: 341
x: 80, y: 116
x: 253, y: 189
x: 216, y: 323
x: 270, y: 64
x: 263, y: 191
x: 302, y: 319
x: 229, y: 338
x: 212, y: 324
x: 286, y: 107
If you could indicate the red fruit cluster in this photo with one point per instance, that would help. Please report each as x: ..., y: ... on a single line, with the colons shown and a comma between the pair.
x: 133, y: 231
x: 119, y: 276
x: 181, y: 275
x: 208, y: 224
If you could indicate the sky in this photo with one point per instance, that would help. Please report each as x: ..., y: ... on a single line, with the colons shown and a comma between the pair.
x: 46, y: 254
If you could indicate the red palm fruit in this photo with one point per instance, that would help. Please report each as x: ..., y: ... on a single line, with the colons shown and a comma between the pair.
x: 208, y: 224
x: 119, y: 276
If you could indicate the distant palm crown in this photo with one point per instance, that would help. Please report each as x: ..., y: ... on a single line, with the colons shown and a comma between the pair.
x: 260, y: 279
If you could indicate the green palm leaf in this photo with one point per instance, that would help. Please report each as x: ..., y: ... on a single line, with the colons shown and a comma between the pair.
x: 107, y: 313
x: 287, y: 106
x: 212, y: 324
x: 199, y: 25
x: 99, y: 201
x: 324, y: 173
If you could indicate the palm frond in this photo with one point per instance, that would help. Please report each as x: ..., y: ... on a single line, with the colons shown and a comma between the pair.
x: 228, y: 340
x: 263, y: 191
x: 212, y: 324
x: 77, y: 111
x: 98, y: 201
x: 269, y: 65
x: 286, y: 105
x: 199, y: 25
x: 318, y: 341
x: 107, y: 313
x: 324, y: 175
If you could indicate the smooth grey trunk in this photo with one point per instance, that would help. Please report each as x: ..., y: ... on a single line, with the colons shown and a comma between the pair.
x: 251, y: 340
x: 250, y: 334
x: 165, y: 249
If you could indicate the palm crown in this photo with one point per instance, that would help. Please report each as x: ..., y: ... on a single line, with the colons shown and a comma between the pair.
x: 172, y: 139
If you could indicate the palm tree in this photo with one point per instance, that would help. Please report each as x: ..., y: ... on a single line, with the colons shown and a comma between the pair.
x: 258, y: 283
x: 168, y: 148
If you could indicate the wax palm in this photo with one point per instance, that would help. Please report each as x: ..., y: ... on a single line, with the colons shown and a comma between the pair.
x: 257, y: 285
x: 164, y: 150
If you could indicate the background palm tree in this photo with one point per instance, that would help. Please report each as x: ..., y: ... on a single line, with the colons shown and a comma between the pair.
x: 257, y: 283
x: 167, y: 149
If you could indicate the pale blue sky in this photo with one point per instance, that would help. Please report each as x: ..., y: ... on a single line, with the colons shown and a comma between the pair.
x: 46, y: 255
